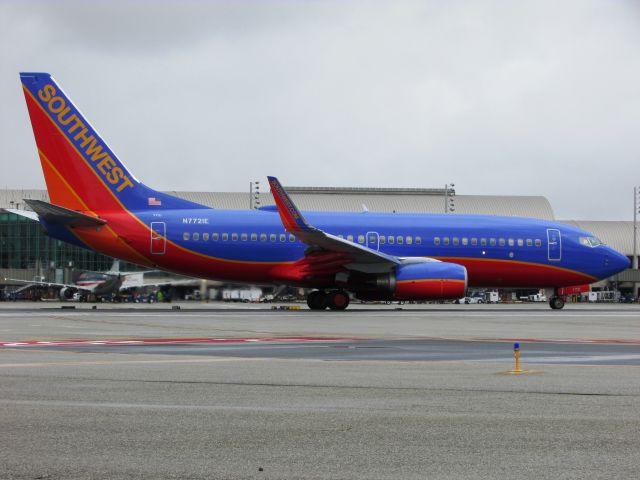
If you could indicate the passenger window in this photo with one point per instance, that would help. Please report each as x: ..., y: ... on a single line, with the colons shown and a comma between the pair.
x: 196, y: 236
x: 214, y: 237
x: 492, y: 242
x: 243, y: 237
x: 234, y: 237
x: 350, y: 238
x: 474, y: 241
x: 360, y: 238
x: 225, y: 237
x: 186, y: 236
x: 501, y: 242
x: 483, y: 242
x: 263, y: 237
x: 292, y: 238
x: 418, y: 240
x: 272, y: 237
x: 205, y: 237
x: 391, y: 240
x: 283, y: 237
x: 409, y: 240
x: 400, y: 240
x: 254, y: 237
x: 383, y: 240
x: 465, y: 241
x: 538, y: 242
x: 511, y: 242
x: 529, y: 242
x: 436, y: 240
x: 456, y: 241
x: 340, y: 236
x: 520, y: 242
x: 445, y: 240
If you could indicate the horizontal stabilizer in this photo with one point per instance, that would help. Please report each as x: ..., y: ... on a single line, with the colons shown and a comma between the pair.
x: 57, y: 215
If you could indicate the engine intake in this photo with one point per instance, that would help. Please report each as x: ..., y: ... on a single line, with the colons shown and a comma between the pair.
x: 418, y: 281
x: 66, y: 293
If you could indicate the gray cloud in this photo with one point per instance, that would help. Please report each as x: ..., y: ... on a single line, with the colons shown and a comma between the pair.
x: 499, y: 97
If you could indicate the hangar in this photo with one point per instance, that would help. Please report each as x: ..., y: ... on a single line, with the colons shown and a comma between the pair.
x: 26, y: 252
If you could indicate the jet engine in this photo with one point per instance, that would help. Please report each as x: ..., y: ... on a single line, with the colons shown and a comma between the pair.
x: 66, y: 293
x: 419, y: 281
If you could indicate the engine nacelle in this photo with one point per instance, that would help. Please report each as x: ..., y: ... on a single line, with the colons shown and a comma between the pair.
x: 430, y: 281
x: 66, y: 293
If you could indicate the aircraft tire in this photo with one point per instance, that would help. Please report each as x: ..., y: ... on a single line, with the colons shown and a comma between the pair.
x: 317, y: 300
x: 556, y: 303
x: 338, y: 300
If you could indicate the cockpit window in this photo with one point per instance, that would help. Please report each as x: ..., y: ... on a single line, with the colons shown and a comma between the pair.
x: 590, y: 241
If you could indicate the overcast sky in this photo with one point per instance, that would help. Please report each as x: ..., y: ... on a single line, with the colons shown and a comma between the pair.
x: 499, y: 97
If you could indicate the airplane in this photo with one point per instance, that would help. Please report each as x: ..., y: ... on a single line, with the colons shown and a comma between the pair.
x: 97, y: 203
x: 95, y: 284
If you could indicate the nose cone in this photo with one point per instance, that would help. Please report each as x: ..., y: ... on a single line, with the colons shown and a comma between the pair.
x: 615, y: 262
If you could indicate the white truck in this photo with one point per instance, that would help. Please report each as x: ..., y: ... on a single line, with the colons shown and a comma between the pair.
x: 492, y: 297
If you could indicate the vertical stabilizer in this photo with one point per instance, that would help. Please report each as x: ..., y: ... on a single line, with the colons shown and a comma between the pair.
x: 81, y: 171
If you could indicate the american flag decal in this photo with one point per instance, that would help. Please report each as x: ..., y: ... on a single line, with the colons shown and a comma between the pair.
x: 154, y: 202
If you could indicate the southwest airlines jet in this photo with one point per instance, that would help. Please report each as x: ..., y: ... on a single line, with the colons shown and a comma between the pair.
x: 97, y: 203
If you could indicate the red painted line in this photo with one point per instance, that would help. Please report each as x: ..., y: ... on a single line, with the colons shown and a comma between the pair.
x: 166, y: 341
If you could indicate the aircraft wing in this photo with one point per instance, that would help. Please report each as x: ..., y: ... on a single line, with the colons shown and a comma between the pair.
x: 30, y: 283
x: 135, y: 280
x: 353, y: 255
x: 23, y: 213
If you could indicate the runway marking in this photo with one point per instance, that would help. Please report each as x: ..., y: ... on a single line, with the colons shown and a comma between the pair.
x: 240, y: 340
x: 164, y: 341
x: 124, y: 362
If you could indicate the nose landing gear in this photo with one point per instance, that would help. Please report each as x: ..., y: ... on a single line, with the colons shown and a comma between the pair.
x: 334, y: 300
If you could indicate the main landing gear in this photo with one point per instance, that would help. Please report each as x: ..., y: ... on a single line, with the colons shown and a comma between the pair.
x: 556, y: 303
x: 334, y: 300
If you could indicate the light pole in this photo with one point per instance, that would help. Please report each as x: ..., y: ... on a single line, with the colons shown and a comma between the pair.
x: 449, y: 194
x: 254, y: 194
x: 636, y: 193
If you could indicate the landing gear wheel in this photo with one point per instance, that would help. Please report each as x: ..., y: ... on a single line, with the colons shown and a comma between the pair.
x: 556, y: 303
x: 317, y: 300
x: 338, y: 300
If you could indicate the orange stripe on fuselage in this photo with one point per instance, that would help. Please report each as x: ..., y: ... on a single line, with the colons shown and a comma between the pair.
x: 490, y: 272
x: 103, y: 238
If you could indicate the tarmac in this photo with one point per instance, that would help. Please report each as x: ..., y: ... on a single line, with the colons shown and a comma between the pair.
x: 221, y: 391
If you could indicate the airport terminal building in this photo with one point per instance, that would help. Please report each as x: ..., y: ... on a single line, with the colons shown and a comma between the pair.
x: 26, y: 252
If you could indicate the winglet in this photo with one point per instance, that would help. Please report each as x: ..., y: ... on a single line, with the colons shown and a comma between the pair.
x: 292, y: 219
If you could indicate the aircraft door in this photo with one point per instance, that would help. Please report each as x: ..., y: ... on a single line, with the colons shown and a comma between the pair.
x: 158, y: 238
x: 554, y: 242
x: 373, y: 240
